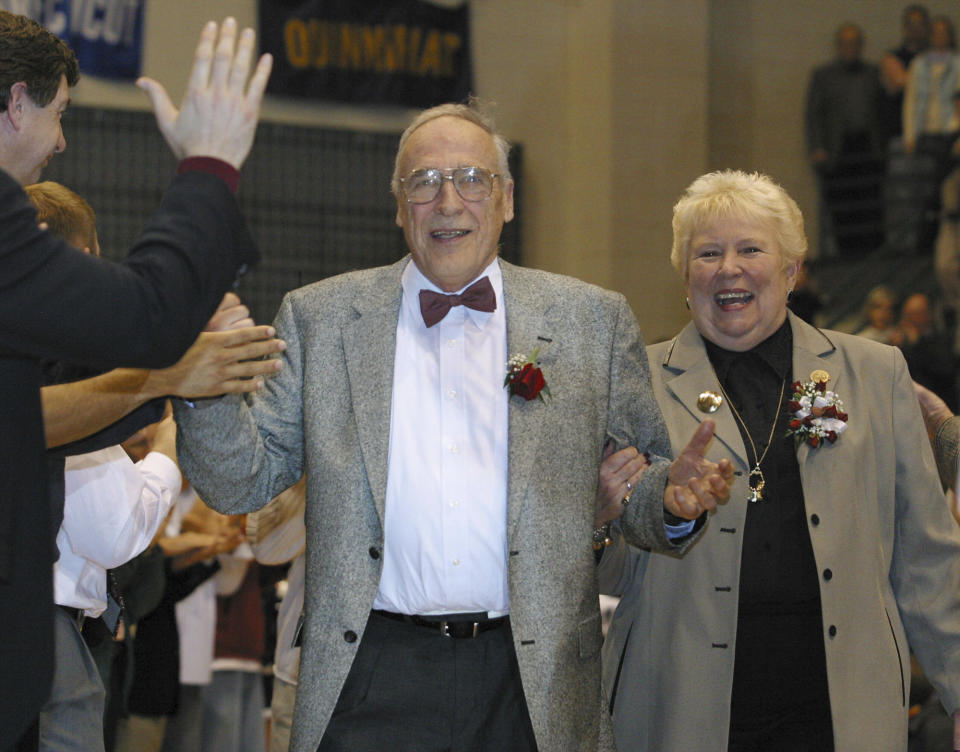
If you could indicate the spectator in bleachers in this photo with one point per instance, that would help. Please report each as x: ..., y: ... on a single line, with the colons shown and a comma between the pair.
x: 927, y: 350
x: 879, y: 310
x: 929, y: 116
x: 233, y: 700
x: 946, y: 256
x: 896, y: 63
x: 846, y: 142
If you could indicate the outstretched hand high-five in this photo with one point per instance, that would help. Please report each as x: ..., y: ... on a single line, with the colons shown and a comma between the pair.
x: 219, y: 112
x: 695, y: 484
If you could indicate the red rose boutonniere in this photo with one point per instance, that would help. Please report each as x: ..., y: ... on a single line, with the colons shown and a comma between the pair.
x: 525, y: 379
x: 817, y: 414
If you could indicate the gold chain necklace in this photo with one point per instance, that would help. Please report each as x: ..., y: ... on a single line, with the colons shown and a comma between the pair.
x: 755, y: 479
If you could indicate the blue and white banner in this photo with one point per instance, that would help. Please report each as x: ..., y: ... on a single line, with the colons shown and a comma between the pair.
x: 106, y: 35
x: 414, y: 53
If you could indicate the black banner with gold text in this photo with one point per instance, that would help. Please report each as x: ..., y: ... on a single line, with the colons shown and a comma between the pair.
x: 412, y: 53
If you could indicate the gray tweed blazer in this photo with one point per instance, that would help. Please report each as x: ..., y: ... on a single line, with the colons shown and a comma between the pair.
x: 327, y: 414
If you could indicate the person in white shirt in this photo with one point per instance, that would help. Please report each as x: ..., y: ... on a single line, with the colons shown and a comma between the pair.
x: 113, y: 509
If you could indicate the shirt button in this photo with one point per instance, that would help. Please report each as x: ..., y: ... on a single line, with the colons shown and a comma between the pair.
x: 451, y: 394
x: 814, y: 520
x: 451, y: 343
x: 827, y: 575
x: 454, y: 504
x: 374, y: 552
x: 454, y: 449
x: 350, y: 636
x: 456, y: 562
x: 832, y: 631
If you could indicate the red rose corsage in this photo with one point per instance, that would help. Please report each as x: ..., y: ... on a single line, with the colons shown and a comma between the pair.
x: 525, y: 379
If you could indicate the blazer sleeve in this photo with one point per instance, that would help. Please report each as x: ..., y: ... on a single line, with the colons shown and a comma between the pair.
x: 925, y: 565
x: 946, y: 449
x: 238, y: 452
x: 56, y: 302
x: 634, y: 419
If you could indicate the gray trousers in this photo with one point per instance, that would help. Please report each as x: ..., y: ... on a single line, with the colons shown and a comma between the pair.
x: 412, y: 690
x: 72, y: 717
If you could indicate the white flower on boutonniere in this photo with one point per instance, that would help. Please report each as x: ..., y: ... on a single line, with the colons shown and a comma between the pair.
x: 817, y: 414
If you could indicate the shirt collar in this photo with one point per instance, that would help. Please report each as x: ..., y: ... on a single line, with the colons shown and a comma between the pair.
x: 413, y: 281
x: 776, y: 352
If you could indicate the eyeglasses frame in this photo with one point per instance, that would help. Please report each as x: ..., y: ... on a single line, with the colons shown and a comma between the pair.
x: 446, y: 173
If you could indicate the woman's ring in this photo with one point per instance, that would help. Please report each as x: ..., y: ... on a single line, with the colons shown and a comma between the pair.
x: 626, y: 500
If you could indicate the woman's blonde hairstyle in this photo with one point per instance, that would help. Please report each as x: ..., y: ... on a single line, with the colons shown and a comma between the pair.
x: 748, y: 196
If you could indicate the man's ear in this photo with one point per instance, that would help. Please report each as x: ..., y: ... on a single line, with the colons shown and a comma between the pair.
x: 15, y: 103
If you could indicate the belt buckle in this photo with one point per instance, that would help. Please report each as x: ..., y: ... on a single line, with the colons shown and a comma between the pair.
x: 445, y: 628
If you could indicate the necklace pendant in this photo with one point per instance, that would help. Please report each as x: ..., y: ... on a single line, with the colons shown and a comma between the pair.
x: 756, y: 482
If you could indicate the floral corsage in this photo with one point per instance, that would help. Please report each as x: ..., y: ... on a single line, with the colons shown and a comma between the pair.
x: 525, y: 379
x: 817, y: 414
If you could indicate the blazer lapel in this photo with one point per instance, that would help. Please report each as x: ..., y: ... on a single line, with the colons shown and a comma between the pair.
x: 529, y: 326
x: 687, y: 373
x: 369, y: 345
x: 812, y: 351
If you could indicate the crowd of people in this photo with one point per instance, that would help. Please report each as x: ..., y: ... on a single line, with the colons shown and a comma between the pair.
x: 456, y: 456
x: 882, y: 138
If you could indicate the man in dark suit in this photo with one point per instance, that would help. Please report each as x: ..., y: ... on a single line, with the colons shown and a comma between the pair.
x: 59, y: 303
x: 846, y: 142
x: 451, y: 598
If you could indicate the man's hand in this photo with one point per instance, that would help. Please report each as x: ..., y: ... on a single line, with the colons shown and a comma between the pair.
x: 619, y: 475
x: 217, y: 118
x: 220, y: 363
x: 696, y: 485
x: 164, y: 438
x: 230, y: 314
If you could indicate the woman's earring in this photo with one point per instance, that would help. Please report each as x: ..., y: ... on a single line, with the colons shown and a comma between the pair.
x: 687, y: 301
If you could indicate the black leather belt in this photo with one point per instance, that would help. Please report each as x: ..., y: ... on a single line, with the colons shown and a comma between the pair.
x: 458, y: 626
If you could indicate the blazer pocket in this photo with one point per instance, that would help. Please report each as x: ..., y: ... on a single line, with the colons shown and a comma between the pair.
x: 590, y: 636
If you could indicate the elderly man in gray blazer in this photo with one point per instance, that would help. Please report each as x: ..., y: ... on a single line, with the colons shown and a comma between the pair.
x: 451, y: 597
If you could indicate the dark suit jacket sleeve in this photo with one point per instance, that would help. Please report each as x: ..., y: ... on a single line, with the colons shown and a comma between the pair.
x: 56, y: 302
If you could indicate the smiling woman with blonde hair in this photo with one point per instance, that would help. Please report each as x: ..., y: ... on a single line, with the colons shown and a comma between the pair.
x: 786, y: 626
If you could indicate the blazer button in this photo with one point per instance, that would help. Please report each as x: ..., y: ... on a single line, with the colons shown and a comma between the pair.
x: 350, y: 636
x: 832, y: 631
x: 814, y: 519
x: 827, y: 575
x: 374, y: 553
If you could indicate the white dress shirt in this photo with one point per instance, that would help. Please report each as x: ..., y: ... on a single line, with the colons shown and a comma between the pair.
x: 111, y: 511
x: 445, y: 547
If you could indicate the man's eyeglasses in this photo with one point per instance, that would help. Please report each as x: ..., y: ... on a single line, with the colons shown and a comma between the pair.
x: 471, y: 183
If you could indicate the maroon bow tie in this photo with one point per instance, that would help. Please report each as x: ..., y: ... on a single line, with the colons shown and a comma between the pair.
x: 435, y: 305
